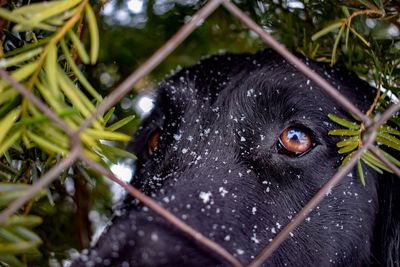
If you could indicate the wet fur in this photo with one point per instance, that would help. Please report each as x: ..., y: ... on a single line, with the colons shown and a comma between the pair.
x: 220, y: 121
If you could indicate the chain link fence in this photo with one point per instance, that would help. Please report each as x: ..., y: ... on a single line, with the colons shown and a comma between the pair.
x: 125, y: 87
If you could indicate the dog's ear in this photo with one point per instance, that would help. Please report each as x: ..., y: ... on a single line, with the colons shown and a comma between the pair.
x: 387, y: 240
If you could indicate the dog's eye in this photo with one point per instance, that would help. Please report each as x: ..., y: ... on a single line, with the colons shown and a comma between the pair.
x: 153, y: 142
x: 295, y: 141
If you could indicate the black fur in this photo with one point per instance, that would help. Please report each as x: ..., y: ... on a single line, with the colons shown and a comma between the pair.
x: 218, y: 166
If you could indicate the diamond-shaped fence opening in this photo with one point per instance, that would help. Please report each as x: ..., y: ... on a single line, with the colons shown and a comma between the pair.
x: 125, y: 87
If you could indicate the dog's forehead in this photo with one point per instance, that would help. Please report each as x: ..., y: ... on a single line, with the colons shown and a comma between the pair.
x: 259, y: 83
x: 266, y: 85
x: 280, y: 85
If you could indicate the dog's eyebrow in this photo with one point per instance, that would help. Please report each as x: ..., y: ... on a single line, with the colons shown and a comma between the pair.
x: 271, y: 99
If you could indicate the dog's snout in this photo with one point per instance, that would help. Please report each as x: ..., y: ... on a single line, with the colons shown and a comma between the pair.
x: 143, y: 239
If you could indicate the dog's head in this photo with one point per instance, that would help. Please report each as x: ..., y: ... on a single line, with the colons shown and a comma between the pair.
x: 236, y: 146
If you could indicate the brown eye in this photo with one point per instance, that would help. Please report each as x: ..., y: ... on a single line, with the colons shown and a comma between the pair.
x: 295, y: 141
x: 153, y: 142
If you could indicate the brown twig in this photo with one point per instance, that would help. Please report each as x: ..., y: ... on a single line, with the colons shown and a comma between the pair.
x: 81, y: 199
x: 367, y: 12
x: 368, y: 113
x: 373, y: 105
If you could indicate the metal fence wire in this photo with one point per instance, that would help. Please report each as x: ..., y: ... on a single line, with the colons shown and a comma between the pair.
x: 125, y: 87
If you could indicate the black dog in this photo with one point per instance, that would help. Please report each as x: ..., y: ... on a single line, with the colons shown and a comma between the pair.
x: 236, y: 145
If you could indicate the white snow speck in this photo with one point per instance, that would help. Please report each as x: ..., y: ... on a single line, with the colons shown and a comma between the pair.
x: 254, y: 239
x: 253, y: 210
x: 250, y: 92
x: 240, y: 251
x: 177, y: 137
x: 205, y: 196
x: 222, y: 191
x: 329, y: 192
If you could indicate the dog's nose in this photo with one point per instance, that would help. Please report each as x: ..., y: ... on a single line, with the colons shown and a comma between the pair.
x: 142, y: 239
